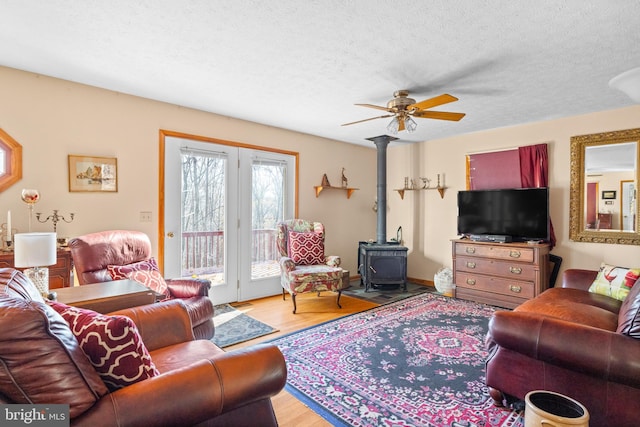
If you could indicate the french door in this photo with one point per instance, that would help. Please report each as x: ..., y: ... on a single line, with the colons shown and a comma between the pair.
x: 221, y: 206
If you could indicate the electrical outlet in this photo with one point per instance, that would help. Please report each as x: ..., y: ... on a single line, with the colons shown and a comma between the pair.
x: 145, y: 216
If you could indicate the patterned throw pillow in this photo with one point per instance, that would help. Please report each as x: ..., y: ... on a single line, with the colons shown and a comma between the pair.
x: 144, y: 272
x: 614, y: 281
x: 112, y: 344
x: 629, y: 314
x: 306, y: 248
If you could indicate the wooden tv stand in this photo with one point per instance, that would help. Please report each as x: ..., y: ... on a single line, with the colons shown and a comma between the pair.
x: 500, y: 274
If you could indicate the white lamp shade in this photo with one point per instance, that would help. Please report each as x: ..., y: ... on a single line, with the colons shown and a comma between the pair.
x: 34, y: 249
x: 628, y: 83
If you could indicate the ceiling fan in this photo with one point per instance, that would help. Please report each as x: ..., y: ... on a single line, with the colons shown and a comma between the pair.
x: 403, y: 108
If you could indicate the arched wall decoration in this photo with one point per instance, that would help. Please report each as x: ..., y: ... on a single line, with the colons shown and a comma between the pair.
x: 12, y: 167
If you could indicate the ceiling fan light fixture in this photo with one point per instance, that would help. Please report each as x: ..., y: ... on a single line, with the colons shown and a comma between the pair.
x: 393, y: 126
x: 628, y: 83
x: 410, y: 124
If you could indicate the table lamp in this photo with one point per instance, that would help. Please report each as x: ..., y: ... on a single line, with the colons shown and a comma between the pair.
x: 35, y: 251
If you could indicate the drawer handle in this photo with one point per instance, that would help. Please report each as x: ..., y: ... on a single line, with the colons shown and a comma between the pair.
x: 471, y: 264
x: 471, y: 282
x: 515, y: 270
x: 514, y: 254
x: 470, y: 250
x: 516, y: 289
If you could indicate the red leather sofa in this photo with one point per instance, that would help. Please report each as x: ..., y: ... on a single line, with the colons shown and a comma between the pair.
x: 198, y: 383
x: 93, y: 253
x: 574, y: 342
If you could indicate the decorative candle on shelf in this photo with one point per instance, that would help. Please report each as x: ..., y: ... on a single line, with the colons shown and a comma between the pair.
x: 8, y: 226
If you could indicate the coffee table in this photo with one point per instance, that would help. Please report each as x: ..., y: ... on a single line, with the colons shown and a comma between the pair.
x: 106, y: 297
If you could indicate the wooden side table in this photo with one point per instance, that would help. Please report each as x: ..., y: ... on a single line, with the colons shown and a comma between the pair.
x: 60, y: 274
x: 106, y: 297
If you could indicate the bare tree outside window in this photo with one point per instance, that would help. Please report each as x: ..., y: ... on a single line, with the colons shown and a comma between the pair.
x: 267, y: 210
x: 203, y: 213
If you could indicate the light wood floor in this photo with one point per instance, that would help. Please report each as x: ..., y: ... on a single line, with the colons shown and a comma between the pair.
x: 312, y: 310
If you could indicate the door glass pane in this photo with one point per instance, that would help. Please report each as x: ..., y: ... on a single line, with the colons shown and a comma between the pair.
x: 203, y: 215
x: 267, y: 209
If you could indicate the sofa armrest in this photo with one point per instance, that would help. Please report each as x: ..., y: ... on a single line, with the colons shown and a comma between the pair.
x: 195, y: 393
x: 161, y: 324
x: 597, y: 352
x: 578, y: 279
x: 189, y: 287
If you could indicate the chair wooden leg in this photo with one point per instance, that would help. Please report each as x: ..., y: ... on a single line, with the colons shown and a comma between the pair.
x: 338, y: 300
x: 283, y: 295
x: 293, y: 298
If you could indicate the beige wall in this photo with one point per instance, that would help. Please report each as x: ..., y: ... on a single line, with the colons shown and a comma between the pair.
x: 429, y: 223
x: 52, y: 118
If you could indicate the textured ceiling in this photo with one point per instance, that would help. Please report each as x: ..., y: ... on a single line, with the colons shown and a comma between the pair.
x: 301, y: 65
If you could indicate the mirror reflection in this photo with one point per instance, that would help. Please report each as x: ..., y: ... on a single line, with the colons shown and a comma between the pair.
x: 604, y: 176
x: 10, y: 161
x: 607, y: 167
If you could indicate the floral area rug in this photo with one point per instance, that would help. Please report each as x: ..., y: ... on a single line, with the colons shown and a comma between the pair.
x: 415, y: 362
x: 233, y: 326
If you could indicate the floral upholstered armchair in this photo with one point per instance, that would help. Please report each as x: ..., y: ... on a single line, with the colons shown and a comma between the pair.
x: 303, y: 266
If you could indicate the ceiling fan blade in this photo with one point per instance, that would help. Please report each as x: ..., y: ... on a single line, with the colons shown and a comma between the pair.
x: 439, y: 115
x: 366, y: 120
x: 377, y: 107
x: 432, y: 102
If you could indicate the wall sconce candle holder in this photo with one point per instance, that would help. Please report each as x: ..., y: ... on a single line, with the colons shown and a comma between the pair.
x: 410, y: 185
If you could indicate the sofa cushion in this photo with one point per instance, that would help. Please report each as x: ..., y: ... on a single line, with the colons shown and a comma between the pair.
x: 306, y: 248
x: 112, y: 344
x: 614, y: 281
x: 42, y: 362
x: 629, y: 315
x: 574, y: 305
x: 145, y: 272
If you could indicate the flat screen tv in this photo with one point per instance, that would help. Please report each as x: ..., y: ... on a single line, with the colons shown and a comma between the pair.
x: 520, y: 214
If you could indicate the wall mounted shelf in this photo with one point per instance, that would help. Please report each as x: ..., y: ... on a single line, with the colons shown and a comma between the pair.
x: 349, y: 190
x: 402, y: 190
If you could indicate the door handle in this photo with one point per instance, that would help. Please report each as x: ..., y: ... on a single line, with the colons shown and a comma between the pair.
x: 170, y: 234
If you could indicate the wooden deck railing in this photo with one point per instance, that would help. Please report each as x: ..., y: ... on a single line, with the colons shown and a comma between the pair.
x: 203, y: 251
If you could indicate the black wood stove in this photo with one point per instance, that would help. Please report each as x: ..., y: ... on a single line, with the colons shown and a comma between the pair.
x: 382, y: 263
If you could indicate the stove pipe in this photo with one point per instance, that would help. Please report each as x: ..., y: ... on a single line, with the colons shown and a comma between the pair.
x: 381, y: 143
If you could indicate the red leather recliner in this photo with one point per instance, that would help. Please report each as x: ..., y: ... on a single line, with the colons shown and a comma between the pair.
x: 93, y: 253
x: 199, y: 384
x: 567, y: 340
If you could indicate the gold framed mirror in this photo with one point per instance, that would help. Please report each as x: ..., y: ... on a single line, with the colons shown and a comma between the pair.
x: 604, y: 175
x: 10, y: 161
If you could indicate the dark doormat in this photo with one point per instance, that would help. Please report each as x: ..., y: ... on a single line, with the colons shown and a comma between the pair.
x: 234, y: 326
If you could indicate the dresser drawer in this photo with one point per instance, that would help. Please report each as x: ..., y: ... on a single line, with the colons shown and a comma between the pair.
x: 496, y: 285
x: 510, y: 270
x: 495, y: 251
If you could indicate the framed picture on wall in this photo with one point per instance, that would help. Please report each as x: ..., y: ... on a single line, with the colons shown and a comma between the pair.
x: 87, y: 173
x: 608, y: 195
